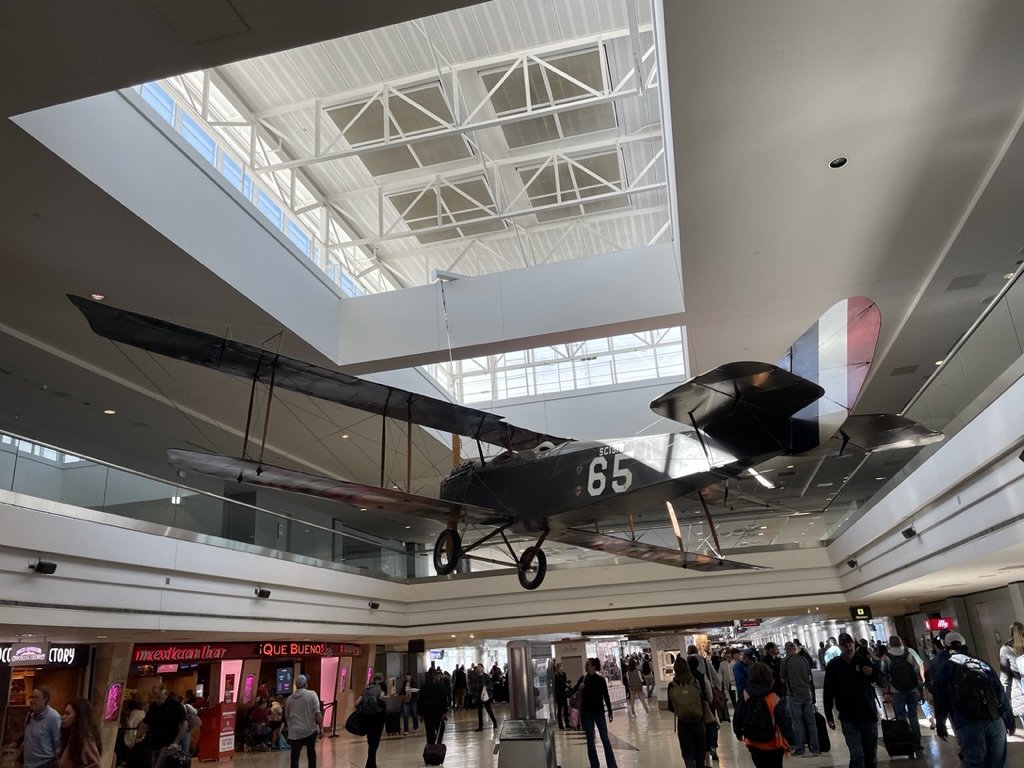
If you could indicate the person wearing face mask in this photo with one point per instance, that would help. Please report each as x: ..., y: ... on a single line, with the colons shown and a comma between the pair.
x: 81, y: 737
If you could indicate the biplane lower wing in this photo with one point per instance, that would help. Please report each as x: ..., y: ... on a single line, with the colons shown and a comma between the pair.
x: 649, y: 552
x: 355, y: 494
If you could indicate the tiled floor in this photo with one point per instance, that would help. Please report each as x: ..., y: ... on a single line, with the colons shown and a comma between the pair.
x: 648, y: 741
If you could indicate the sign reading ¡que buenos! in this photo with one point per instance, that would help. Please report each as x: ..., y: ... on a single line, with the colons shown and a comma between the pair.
x: 193, y: 652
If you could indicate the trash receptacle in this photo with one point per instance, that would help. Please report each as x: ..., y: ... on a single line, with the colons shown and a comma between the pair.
x: 526, y: 742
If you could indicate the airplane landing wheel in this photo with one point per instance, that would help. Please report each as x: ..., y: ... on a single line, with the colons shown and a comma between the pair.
x: 531, y: 576
x: 447, y: 551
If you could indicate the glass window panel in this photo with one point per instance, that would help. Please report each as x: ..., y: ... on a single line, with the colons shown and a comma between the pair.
x: 595, y: 346
x: 476, y: 388
x: 268, y: 208
x: 231, y: 170
x: 200, y: 140
x: 160, y: 100
x: 298, y: 236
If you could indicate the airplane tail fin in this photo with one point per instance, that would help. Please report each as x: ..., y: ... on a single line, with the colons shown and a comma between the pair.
x: 836, y: 353
x: 754, y: 409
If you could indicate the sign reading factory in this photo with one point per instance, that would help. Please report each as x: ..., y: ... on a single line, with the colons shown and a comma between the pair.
x: 43, y: 654
x: 203, y: 652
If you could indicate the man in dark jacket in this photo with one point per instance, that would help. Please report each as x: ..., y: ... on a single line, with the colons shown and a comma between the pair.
x: 848, y: 687
x: 594, y: 699
x: 433, y: 704
x: 561, y: 681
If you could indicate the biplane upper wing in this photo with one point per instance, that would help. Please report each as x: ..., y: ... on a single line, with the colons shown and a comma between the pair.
x: 355, y: 494
x: 250, y: 362
x: 641, y: 551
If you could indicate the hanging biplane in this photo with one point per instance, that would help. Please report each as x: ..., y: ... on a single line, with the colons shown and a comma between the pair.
x: 735, y: 418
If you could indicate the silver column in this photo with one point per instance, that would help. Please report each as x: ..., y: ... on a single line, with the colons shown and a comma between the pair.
x: 520, y: 681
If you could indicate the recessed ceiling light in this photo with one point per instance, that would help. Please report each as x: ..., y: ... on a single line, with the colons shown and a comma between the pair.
x: 453, y: 635
x: 109, y: 411
x: 838, y: 162
x: 764, y: 527
x: 879, y: 478
x: 1008, y: 275
x: 101, y: 637
x: 362, y: 509
x: 97, y: 296
x: 344, y: 437
x: 939, y: 362
x: 408, y: 527
x: 789, y: 466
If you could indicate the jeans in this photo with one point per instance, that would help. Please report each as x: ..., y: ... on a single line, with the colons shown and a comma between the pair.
x: 805, y: 730
x: 982, y: 744
x: 589, y: 721
x: 691, y: 743
x: 904, y: 705
x: 309, y: 742
x: 480, y: 707
x: 409, y: 708
x: 862, y: 740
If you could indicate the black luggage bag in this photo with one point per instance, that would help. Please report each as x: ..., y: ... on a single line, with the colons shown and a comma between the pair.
x: 824, y: 740
x: 898, y: 738
x: 434, y: 754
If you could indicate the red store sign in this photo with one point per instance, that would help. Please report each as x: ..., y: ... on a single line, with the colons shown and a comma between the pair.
x: 202, y: 652
x: 938, y: 624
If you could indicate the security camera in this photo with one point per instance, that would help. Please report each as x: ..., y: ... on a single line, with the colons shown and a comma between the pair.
x: 374, y: 604
x: 909, y: 533
x: 262, y: 592
x: 852, y: 563
x: 45, y: 567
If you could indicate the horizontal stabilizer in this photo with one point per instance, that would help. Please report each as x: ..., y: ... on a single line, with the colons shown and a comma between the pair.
x: 250, y: 362
x: 744, y: 407
x: 649, y: 552
x: 875, y: 432
x: 355, y: 494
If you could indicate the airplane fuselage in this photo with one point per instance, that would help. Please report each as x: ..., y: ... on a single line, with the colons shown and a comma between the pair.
x: 626, y: 474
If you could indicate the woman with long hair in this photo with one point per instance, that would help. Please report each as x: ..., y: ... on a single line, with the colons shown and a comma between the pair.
x: 1011, y: 669
x: 80, y: 737
x: 687, y: 700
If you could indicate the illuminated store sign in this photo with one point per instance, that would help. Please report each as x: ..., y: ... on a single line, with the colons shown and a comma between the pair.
x: 206, y: 652
x: 941, y: 623
x: 43, y: 654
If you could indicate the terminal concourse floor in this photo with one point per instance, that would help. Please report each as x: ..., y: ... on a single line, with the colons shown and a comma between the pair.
x: 648, y: 741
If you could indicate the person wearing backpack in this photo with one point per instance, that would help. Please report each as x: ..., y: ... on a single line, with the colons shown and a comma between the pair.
x: 968, y: 692
x: 373, y: 707
x: 902, y: 668
x: 686, y: 700
x: 766, y: 724
x: 849, y: 680
x: 1011, y: 669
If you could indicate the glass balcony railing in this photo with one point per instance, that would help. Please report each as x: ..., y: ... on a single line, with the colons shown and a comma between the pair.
x: 34, y: 469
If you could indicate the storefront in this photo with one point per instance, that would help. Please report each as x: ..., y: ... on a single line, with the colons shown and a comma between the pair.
x: 23, y: 666
x: 227, y: 678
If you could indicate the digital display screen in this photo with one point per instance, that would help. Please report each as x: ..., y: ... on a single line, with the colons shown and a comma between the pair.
x: 284, y: 681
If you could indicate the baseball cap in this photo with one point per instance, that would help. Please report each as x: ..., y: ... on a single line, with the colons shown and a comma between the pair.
x: 845, y: 637
x: 953, y: 637
x: 301, y: 681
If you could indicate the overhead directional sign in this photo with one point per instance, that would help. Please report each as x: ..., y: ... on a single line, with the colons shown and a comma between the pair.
x: 860, y: 613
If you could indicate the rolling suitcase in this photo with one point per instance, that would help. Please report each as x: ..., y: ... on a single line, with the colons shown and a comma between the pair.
x: 824, y: 740
x: 898, y: 738
x: 434, y: 754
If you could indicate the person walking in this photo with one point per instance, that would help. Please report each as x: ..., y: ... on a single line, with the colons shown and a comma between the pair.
x: 483, y: 688
x: 766, y: 725
x: 849, y: 678
x: 81, y: 737
x: 163, y: 727
x: 594, y: 700
x: 968, y: 692
x: 796, y: 677
x: 687, y: 699
x: 305, y: 722
x: 41, y: 744
x: 433, y: 702
x: 904, y: 671
x: 373, y: 707
x: 561, y: 681
x: 635, y: 688
x: 1011, y: 669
